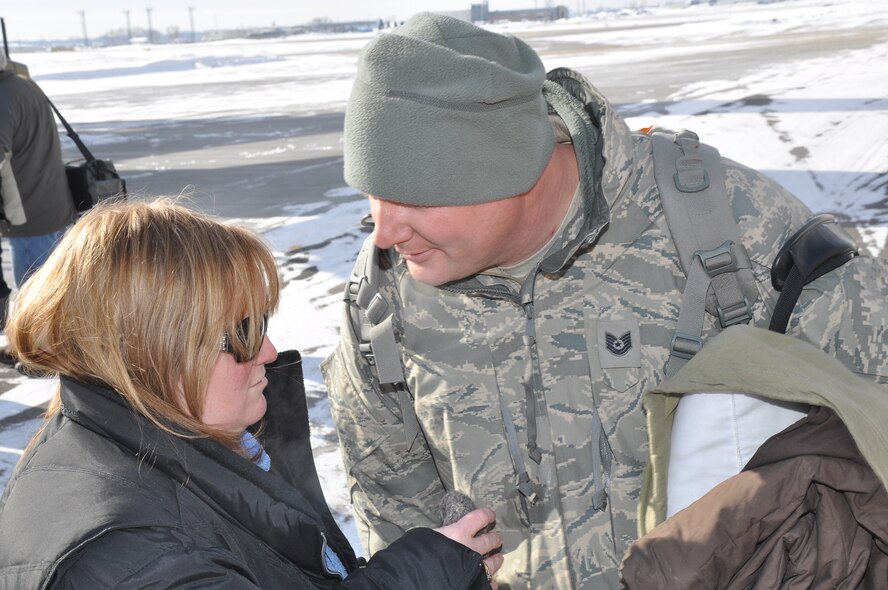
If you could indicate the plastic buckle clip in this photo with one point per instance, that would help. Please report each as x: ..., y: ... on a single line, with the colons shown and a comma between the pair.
x: 718, y: 260
x: 690, y: 175
x: 685, y: 346
x: 690, y: 179
x: 367, y: 352
x: 736, y: 314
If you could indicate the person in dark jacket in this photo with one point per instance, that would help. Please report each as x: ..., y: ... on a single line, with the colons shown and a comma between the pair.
x: 154, y: 467
x: 36, y: 204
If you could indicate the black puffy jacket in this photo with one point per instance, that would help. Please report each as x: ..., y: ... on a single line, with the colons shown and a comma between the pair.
x: 107, y: 500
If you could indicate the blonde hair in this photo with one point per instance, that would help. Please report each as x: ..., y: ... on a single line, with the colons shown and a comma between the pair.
x: 136, y: 297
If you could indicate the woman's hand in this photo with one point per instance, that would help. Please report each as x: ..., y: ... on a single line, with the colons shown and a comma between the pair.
x: 469, y: 531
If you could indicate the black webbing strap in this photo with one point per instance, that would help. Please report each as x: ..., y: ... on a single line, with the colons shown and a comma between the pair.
x: 792, y: 290
x: 70, y: 131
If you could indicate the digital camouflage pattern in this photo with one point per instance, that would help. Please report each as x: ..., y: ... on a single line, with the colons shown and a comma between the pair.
x: 846, y: 314
x: 464, y: 351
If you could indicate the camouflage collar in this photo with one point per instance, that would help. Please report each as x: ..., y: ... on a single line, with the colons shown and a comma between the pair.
x: 605, y: 154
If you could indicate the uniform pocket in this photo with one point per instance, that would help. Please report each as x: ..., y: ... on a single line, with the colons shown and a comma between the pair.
x: 618, y: 355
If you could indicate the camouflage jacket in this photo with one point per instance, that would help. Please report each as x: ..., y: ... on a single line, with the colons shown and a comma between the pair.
x: 469, y: 349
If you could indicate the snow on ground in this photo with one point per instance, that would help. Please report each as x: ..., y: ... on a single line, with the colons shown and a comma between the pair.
x: 264, y: 77
x: 818, y: 126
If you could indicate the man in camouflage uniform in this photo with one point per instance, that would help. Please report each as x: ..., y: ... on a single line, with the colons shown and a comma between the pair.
x: 533, y: 288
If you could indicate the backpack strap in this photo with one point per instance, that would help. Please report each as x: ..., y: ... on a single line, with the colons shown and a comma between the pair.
x: 691, y: 180
x: 371, y: 319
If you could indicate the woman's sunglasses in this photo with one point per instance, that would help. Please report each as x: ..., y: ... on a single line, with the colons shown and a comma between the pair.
x: 243, y: 330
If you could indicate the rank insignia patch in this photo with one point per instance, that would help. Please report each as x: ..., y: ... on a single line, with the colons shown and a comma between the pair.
x: 618, y: 346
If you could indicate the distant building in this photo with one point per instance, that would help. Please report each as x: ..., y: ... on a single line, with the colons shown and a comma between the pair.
x: 481, y: 13
x: 345, y: 27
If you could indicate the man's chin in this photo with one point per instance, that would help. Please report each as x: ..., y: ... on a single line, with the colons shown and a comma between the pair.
x: 428, y: 276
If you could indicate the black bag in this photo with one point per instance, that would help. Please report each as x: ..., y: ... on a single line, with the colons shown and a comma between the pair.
x: 93, y: 181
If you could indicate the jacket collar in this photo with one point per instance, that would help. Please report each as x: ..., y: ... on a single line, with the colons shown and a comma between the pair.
x: 284, y: 515
x: 605, y: 154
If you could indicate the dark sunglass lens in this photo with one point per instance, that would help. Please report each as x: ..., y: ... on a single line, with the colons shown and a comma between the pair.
x: 243, y: 331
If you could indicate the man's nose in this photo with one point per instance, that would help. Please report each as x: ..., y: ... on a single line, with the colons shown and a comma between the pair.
x: 391, y: 223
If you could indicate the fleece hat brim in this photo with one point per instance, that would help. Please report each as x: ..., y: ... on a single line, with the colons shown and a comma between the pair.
x: 446, y: 113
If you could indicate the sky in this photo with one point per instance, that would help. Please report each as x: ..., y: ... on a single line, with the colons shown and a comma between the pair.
x: 60, y: 19
x: 822, y: 136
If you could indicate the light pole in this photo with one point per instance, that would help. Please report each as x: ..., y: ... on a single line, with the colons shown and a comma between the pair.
x: 83, y: 26
x: 191, y: 19
x: 150, y: 32
x: 129, y: 29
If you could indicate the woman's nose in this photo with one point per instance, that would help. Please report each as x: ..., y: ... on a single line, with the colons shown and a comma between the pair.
x: 267, y: 353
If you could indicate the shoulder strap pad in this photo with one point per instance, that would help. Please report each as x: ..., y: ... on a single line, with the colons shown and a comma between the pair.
x: 370, y: 316
x: 820, y: 246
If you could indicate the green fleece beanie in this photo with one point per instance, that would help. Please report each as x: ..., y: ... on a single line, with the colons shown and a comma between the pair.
x: 446, y: 113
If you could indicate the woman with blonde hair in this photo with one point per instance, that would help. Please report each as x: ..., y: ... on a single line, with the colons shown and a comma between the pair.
x: 150, y: 470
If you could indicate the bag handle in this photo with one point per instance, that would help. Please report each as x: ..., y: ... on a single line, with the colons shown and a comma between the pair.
x: 71, y: 133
